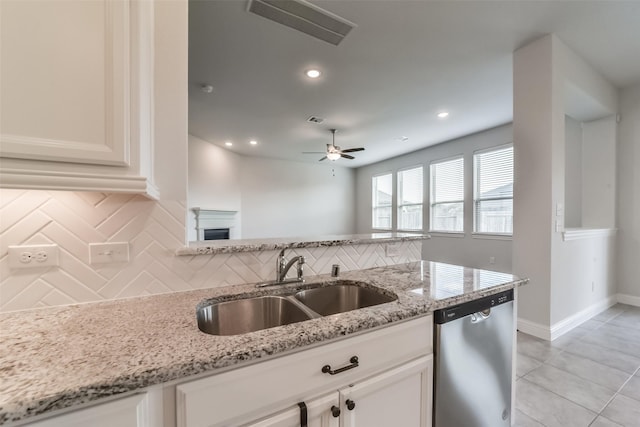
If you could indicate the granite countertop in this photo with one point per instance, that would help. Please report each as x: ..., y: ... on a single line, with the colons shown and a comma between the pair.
x: 59, y: 357
x: 210, y: 247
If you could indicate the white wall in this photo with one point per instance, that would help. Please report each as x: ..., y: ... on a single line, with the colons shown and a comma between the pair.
x: 287, y: 199
x: 466, y: 249
x: 599, y: 173
x: 570, y: 280
x: 274, y: 198
x: 628, y: 213
x: 573, y: 173
x: 214, y: 181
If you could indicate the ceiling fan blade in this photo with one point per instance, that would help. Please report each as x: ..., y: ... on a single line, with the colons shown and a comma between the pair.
x: 351, y: 150
x: 313, y: 152
x: 324, y: 158
x: 346, y: 156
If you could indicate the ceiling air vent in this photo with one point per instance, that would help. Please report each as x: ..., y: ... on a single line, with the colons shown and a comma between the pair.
x: 304, y: 16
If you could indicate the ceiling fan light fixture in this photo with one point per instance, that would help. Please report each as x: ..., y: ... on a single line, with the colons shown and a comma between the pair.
x: 333, y: 156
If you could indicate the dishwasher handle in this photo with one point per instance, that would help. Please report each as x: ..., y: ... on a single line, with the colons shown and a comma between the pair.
x: 480, y: 316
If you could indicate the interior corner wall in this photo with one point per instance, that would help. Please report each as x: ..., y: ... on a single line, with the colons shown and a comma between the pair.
x: 274, y: 198
x: 628, y: 196
x: 469, y: 250
x: 214, y: 181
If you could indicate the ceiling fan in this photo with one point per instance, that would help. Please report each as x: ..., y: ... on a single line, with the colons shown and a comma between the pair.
x: 333, y: 151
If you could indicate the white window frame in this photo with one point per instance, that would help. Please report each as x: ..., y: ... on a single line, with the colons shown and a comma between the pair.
x: 400, y: 206
x: 432, y: 184
x: 374, y: 207
x: 476, y: 198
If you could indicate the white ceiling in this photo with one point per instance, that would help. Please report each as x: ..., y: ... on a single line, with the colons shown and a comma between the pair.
x: 405, y: 61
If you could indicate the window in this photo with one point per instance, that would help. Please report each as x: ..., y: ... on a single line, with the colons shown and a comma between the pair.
x: 382, y: 193
x: 410, y: 199
x: 447, y: 195
x: 493, y: 191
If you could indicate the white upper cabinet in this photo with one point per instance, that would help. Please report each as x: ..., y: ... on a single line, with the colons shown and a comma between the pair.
x: 77, y: 95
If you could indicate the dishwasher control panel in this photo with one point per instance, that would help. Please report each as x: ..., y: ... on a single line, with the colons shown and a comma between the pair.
x: 457, y: 311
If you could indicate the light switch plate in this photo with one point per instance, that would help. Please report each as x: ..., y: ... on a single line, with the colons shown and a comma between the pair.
x: 105, y: 253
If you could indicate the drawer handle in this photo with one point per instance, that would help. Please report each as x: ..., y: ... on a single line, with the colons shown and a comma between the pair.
x: 326, y: 369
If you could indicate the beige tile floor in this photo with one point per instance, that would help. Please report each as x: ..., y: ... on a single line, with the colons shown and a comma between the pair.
x: 588, y: 377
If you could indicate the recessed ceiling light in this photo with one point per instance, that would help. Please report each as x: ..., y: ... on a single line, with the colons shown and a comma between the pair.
x: 228, y: 143
x: 313, y: 73
x: 253, y: 142
x: 443, y: 115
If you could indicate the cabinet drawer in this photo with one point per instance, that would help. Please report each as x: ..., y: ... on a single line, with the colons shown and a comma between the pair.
x: 247, y: 393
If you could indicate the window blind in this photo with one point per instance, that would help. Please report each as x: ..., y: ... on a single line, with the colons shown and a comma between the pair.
x: 447, y: 195
x: 382, y: 193
x: 410, y: 195
x: 493, y: 191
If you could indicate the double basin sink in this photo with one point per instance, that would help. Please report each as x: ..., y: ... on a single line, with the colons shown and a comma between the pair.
x: 253, y: 314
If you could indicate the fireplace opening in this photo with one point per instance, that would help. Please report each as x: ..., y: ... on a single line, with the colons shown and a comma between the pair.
x: 216, y: 234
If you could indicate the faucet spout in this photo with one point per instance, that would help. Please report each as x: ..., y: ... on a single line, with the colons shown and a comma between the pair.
x: 300, y: 260
x: 283, y: 267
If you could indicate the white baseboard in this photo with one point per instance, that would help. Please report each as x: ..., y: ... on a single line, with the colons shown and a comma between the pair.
x: 629, y: 299
x: 560, y: 328
x: 535, y: 329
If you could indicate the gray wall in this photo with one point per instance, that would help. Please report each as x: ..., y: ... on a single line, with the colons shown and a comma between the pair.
x: 628, y: 213
x: 465, y: 248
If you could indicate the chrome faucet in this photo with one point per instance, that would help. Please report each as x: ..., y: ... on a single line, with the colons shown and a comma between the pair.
x: 282, y: 268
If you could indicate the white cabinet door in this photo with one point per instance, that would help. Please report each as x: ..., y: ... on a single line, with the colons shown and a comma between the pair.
x: 65, y: 73
x: 128, y: 412
x: 398, y: 397
x: 320, y: 413
x: 76, y: 99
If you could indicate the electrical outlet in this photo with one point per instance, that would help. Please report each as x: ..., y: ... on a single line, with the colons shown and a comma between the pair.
x: 392, y: 250
x: 104, y: 253
x: 33, y: 256
x: 492, y: 260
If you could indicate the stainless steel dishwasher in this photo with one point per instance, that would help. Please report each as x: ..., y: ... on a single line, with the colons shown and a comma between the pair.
x: 473, y: 356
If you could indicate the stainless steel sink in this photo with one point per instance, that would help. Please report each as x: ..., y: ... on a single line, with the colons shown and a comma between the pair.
x: 253, y: 314
x: 249, y: 315
x: 340, y: 298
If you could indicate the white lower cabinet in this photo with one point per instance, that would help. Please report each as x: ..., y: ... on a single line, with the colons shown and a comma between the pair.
x: 376, y: 379
x: 321, y: 412
x: 397, y: 397
x: 127, y: 412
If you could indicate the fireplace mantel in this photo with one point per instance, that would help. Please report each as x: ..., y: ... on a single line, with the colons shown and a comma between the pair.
x: 214, y: 218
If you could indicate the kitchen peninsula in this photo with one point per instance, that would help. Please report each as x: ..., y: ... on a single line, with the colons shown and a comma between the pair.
x: 68, y: 357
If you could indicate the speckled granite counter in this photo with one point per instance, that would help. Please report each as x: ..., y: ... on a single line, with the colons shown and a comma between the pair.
x: 211, y: 247
x: 60, y: 357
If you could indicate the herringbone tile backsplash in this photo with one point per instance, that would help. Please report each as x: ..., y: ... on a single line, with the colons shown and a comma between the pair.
x: 154, y: 231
